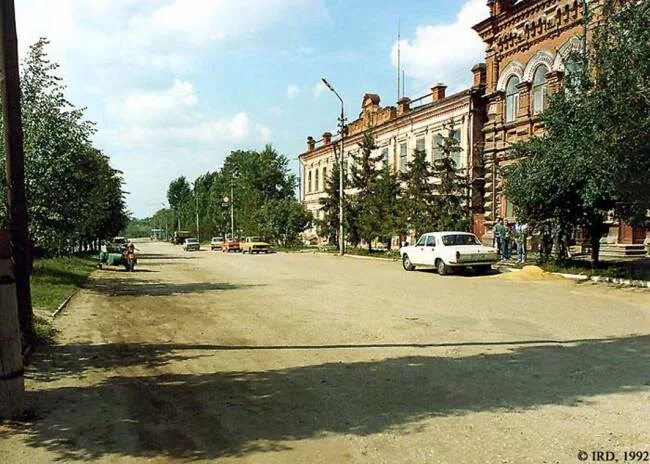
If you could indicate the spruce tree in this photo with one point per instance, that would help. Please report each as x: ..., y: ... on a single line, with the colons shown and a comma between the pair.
x: 387, y: 194
x: 329, y: 225
x: 417, y: 200
x: 366, y: 218
x: 451, y: 205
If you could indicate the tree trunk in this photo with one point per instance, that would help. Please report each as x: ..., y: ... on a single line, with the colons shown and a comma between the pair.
x: 12, y: 383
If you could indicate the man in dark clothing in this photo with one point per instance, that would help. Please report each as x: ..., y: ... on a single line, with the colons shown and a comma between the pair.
x: 500, y: 238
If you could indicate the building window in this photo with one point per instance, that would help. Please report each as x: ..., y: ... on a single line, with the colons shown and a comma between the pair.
x: 512, y: 99
x: 384, y: 157
x: 456, y: 155
x: 309, y: 182
x: 419, y: 144
x: 324, y: 177
x: 540, y: 89
x: 402, y: 157
x: 316, y: 186
x: 437, y: 147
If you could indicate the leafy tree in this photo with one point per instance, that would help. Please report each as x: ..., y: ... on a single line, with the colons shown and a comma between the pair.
x: 593, y: 158
x: 417, y: 202
x: 179, y: 197
x: 450, y: 202
x: 88, y: 204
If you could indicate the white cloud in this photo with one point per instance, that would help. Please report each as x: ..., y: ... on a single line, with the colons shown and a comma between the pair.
x: 445, y: 52
x: 318, y: 89
x: 292, y: 90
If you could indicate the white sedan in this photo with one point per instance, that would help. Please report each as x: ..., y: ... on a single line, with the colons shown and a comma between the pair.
x: 447, y: 250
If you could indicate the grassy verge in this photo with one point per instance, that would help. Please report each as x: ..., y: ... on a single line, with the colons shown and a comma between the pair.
x: 392, y: 254
x: 53, y: 280
x: 635, y: 270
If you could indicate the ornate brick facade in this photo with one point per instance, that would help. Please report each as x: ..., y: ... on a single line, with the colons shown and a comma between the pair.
x: 528, y: 44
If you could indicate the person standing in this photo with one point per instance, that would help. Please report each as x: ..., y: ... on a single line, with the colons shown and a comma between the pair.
x: 507, y: 241
x: 520, y: 239
x: 499, y: 236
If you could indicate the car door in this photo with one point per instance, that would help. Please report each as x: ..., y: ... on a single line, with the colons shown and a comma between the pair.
x: 429, y: 251
x: 417, y: 252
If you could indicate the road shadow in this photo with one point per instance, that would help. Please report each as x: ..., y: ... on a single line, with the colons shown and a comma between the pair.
x: 233, y: 413
x: 115, y: 286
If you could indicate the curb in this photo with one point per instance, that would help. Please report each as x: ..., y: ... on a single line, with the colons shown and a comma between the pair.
x: 63, y: 305
x: 592, y: 278
x: 608, y: 280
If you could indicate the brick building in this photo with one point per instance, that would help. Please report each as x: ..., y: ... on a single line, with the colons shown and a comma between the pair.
x: 398, y: 131
x: 528, y: 49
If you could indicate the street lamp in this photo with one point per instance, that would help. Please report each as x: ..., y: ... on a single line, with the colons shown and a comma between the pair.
x: 341, y: 173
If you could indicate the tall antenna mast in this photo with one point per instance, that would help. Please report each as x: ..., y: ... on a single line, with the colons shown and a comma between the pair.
x: 403, y: 83
x: 399, y: 66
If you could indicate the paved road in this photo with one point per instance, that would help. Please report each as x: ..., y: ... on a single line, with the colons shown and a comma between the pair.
x: 291, y: 358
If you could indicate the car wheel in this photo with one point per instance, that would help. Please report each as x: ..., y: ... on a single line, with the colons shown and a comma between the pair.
x: 407, y: 264
x: 442, y: 268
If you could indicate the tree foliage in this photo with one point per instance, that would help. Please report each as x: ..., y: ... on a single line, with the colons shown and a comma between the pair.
x: 365, y: 206
x: 263, y: 191
x: 417, y: 202
x: 451, y: 206
x: 74, y: 196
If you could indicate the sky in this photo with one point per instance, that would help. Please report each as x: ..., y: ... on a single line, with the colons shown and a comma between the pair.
x: 175, y: 85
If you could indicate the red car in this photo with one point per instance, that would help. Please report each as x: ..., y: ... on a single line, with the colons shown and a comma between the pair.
x: 230, y: 245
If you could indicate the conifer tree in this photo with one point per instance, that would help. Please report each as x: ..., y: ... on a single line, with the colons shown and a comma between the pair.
x: 451, y: 205
x: 417, y: 200
x: 366, y: 218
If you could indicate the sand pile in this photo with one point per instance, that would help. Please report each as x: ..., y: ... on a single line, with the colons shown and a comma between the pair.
x: 529, y: 273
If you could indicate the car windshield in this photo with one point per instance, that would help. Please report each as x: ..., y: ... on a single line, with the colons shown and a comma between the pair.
x: 192, y: 240
x: 460, y: 240
x: 254, y: 239
x: 217, y: 239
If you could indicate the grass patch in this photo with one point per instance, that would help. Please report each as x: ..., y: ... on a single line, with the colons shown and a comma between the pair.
x: 53, y: 280
x: 635, y: 270
x: 387, y: 254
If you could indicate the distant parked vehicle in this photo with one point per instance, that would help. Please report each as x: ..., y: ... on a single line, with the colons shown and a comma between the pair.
x: 254, y: 245
x: 216, y: 243
x: 447, y: 251
x: 230, y: 244
x: 191, y: 244
x: 180, y: 236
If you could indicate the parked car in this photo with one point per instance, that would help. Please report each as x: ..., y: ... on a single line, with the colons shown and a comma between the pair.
x: 216, y: 243
x: 230, y: 244
x: 255, y: 245
x: 447, y: 251
x: 191, y: 244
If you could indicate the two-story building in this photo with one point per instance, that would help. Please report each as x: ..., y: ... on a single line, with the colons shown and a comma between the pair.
x: 400, y: 130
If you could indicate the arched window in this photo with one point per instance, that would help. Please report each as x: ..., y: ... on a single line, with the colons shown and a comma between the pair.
x: 309, y: 182
x: 512, y: 99
x: 540, y: 89
x: 316, y: 183
x: 324, y: 177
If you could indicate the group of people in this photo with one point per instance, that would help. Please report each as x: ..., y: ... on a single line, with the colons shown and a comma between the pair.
x: 505, y: 235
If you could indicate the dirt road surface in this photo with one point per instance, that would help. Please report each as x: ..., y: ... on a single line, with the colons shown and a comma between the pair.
x: 294, y: 358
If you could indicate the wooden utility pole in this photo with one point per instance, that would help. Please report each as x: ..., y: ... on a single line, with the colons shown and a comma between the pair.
x: 12, y: 383
x: 15, y: 166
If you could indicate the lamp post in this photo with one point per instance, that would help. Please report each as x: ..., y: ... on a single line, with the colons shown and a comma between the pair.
x: 231, y: 202
x: 341, y: 173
